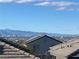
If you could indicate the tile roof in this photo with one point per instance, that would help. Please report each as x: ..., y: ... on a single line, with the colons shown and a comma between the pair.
x: 40, y: 36
x: 14, y: 44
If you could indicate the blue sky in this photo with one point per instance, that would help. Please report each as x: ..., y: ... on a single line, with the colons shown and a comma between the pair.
x: 57, y: 16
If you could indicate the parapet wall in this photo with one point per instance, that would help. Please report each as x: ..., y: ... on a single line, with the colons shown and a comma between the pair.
x: 64, y: 45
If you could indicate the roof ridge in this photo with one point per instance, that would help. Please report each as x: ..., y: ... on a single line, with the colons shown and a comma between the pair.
x: 36, y: 37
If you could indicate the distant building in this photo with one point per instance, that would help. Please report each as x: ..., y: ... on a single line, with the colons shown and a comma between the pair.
x: 11, y: 50
x: 39, y: 45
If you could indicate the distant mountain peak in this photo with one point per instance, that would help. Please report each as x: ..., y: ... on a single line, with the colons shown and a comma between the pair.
x: 18, y: 33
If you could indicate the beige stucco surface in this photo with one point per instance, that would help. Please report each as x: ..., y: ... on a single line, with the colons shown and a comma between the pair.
x: 65, y: 49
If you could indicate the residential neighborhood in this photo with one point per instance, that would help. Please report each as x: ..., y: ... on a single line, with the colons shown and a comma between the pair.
x: 39, y: 29
x: 39, y: 47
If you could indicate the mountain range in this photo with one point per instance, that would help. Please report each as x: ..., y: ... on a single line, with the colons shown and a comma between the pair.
x: 19, y: 33
x: 16, y: 33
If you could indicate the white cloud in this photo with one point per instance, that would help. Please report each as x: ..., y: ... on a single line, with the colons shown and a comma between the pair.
x: 5, y: 1
x: 20, y: 1
x: 61, y: 8
x: 23, y: 1
x: 65, y: 8
x: 43, y: 4
x: 64, y: 3
x: 16, y: 1
x: 59, y: 5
